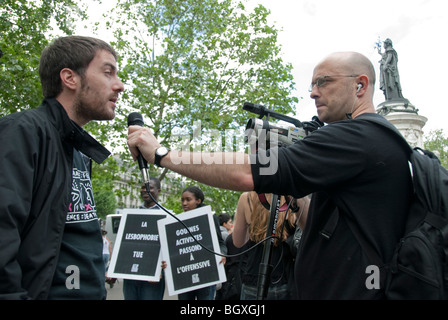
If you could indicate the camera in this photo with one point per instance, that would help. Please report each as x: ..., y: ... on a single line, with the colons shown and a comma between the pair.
x: 282, y: 135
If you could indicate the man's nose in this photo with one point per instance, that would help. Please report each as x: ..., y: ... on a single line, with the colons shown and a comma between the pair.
x: 314, y: 92
x: 118, y: 86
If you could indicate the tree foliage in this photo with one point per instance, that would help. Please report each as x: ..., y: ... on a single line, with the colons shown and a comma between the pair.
x: 437, y: 142
x: 190, y: 61
x: 199, y: 60
x: 26, y: 27
x: 105, y: 198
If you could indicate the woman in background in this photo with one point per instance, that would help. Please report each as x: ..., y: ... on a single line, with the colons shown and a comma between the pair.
x: 193, y: 198
x: 250, y: 227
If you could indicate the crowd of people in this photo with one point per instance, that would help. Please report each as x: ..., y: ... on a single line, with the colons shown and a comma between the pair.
x: 239, y: 241
x: 349, y: 170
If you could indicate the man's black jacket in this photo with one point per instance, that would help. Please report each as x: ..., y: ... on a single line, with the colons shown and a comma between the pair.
x: 36, y: 158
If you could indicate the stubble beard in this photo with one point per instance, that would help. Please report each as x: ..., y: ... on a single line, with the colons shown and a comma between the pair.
x: 87, y: 110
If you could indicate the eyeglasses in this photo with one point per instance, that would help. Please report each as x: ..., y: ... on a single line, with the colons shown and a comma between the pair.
x: 321, y: 81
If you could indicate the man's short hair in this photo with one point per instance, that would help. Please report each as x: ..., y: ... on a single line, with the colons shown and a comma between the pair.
x: 73, y: 52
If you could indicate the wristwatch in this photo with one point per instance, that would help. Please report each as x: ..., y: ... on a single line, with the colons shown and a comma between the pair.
x: 160, y: 153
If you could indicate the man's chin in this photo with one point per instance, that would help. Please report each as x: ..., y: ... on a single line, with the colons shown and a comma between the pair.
x: 321, y: 115
x: 107, y: 117
x: 110, y: 115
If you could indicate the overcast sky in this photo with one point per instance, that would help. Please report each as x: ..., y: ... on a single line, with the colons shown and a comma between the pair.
x: 312, y: 29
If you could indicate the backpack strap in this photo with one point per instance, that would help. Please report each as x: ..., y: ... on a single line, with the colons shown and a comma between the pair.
x: 371, y: 254
x: 436, y: 221
x: 330, y: 226
x: 372, y: 117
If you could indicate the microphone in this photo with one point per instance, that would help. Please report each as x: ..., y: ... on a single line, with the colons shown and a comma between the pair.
x: 263, y: 111
x: 136, y: 119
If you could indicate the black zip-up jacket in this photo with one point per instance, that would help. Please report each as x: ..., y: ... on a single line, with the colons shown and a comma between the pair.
x: 36, y: 159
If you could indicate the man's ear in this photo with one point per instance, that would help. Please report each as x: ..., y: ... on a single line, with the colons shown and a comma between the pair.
x: 69, y: 78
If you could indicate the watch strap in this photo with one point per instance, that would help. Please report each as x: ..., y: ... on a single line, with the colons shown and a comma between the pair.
x: 158, y: 157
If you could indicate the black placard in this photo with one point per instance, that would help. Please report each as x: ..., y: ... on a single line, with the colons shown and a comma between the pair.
x: 137, y: 253
x: 189, y: 265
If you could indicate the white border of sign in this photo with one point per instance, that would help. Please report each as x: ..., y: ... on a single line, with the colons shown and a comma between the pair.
x: 206, y: 210
x: 111, y: 271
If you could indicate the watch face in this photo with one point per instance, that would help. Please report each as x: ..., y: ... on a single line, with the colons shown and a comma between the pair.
x: 162, y: 151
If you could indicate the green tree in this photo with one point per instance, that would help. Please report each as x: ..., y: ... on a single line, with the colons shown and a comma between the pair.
x: 436, y: 141
x: 105, y: 199
x: 187, y: 60
x: 26, y: 27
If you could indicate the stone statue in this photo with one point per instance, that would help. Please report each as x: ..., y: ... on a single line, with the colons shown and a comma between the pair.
x: 396, y: 109
x: 389, y: 76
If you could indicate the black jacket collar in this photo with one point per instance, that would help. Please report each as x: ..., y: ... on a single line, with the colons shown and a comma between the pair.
x: 73, y: 133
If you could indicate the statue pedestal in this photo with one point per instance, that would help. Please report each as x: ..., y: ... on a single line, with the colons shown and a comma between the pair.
x: 403, y: 115
x: 399, y: 105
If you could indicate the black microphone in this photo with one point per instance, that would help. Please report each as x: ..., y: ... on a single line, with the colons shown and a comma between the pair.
x: 136, y: 119
x: 263, y: 111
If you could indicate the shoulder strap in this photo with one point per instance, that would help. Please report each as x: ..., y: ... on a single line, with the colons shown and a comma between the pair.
x: 429, y: 177
x: 371, y: 254
x: 330, y: 226
x: 377, y: 119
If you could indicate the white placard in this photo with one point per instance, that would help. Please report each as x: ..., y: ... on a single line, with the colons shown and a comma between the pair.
x: 189, y: 265
x: 137, y: 253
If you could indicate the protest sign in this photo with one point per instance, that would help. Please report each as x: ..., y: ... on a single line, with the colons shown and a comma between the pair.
x: 136, y: 253
x: 189, y: 265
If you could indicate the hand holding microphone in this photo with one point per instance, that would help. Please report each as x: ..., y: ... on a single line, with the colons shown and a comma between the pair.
x: 142, y: 143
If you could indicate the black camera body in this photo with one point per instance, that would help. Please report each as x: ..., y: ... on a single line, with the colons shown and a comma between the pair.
x: 282, y: 135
